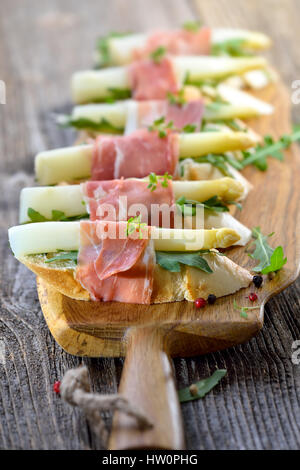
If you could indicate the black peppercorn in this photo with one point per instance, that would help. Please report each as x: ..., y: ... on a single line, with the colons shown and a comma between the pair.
x: 211, y: 299
x: 257, y: 281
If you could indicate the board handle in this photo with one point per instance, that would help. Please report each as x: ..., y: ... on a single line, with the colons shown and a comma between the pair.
x: 148, y: 383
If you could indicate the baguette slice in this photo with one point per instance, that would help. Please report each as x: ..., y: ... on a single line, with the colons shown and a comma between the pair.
x: 189, y: 284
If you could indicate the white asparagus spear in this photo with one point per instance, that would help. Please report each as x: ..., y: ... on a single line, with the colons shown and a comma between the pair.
x: 194, y: 171
x: 120, y: 49
x: 71, y: 163
x: 240, y: 98
x: 251, y: 39
x: 95, y: 85
x: 224, y: 219
x: 117, y: 114
x: 48, y: 237
x: 70, y: 200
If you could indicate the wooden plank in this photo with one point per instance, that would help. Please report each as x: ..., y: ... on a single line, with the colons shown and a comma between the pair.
x: 41, y: 43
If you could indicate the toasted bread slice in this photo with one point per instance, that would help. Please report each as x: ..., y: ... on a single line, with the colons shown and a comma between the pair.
x: 189, y: 284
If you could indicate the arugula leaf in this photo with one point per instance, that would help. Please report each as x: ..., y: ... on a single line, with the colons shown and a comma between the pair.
x: 118, y: 94
x: 215, y: 204
x: 263, y: 251
x: 188, y: 206
x: 218, y: 161
x: 64, y: 255
x: 277, y: 260
x: 171, y: 260
x: 192, y: 26
x: 103, y: 125
x: 56, y: 215
x: 189, y: 128
x: 203, y: 387
x: 243, y: 310
x: 270, y: 260
x: 158, y: 54
x: 237, y: 204
x: 230, y: 47
x: 104, y: 57
x: 270, y: 149
x: 35, y: 216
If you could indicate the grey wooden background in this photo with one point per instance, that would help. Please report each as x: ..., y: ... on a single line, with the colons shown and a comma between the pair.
x: 41, y: 43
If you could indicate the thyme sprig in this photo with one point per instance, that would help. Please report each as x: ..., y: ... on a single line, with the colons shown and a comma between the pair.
x: 154, y: 180
x: 158, y: 54
x: 134, y: 224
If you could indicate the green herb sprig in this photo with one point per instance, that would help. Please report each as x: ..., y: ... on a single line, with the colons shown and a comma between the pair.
x: 271, y: 148
x: 103, y: 125
x: 188, y: 206
x: 116, y: 94
x: 243, y: 310
x: 176, y: 98
x: 230, y: 47
x: 63, y: 256
x: 202, y: 387
x: 158, y: 54
x: 154, y: 180
x: 192, y: 26
x: 218, y: 161
x: 134, y: 224
x: 56, y: 216
x: 160, y: 126
x: 270, y: 259
x: 171, y: 261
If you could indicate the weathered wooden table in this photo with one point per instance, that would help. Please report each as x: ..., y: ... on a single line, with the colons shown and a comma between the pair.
x: 257, y: 405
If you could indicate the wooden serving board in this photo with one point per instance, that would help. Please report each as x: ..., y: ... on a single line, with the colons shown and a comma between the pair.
x: 149, y: 335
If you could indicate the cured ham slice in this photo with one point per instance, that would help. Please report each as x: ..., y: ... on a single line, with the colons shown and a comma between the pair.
x: 135, y: 155
x: 121, y: 199
x: 115, y: 269
x: 152, y: 81
x: 144, y: 113
x: 181, y: 42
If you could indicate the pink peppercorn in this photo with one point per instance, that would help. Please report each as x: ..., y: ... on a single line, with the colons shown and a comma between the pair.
x: 200, y: 303
x: 252, y: 297
x: 56, y: 387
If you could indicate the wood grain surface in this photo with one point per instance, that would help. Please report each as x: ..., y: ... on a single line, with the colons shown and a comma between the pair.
x: 256, y: 406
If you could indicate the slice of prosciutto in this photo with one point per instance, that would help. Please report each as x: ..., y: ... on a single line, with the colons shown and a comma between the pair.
x: 152, y: 81
x: 121, y: 199
x: 115, y: 268
x: 135, y: 155
x: 143, y: 113
x: 180, y: 42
